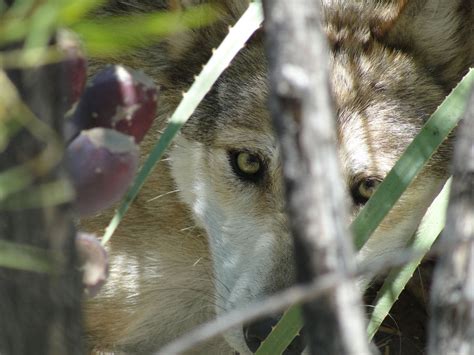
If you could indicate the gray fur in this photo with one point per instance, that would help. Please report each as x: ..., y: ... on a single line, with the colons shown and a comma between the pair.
x: 388, y: 74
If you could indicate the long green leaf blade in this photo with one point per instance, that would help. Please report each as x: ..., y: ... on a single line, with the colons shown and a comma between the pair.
x: 283, y: 333
x: 25, y: 257
x: 223, y: 55
x: 111, y: 36
x: 431, y: 226
x: 433, y: 133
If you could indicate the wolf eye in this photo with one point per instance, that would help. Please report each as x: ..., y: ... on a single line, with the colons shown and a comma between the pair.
x: 364, y: 189
x: 246, y: 165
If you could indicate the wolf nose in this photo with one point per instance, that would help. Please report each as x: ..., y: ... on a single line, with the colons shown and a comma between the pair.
x: 256, y: 332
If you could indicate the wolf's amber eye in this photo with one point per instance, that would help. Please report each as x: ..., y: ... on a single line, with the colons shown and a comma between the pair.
x: 246, y: 165
x: 365, y: 189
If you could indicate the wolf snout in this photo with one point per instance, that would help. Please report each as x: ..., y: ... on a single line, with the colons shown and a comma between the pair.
x: 256, y: 332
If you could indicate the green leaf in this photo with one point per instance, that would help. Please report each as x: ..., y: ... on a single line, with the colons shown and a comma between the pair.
x: 14, y: 179
x: 73, y: 11
x: 42, y: 25
x: 431, y: 226
x: 33, y: 22
x: 45, y: 195
x: 433, y: 133
x: 221, y: 58
x: 283, y: 333
x: 25, y: 257
x: 15, y: 114
x: 113, y: 35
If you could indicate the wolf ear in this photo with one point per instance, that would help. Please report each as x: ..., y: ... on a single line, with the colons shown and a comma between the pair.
x: 182, y: 55
x: 385, y: 17
x: 438, y: 32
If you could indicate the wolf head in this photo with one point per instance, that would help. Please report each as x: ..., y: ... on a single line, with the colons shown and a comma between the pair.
x: 391, y: 62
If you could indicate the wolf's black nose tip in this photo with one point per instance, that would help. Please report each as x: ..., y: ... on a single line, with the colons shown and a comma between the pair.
x: 256, y: 332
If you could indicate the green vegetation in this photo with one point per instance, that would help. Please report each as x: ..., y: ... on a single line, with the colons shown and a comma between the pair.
x: 35, y: 24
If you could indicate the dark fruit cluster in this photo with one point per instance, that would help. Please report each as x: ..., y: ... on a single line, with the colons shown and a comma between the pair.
x: 117, y: 98
x: 108, y: 118
x: 102, y: 163
x: 113, y: 114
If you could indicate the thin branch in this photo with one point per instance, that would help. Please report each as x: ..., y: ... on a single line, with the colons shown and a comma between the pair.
x: 279, y: 302
x: 304, y: 119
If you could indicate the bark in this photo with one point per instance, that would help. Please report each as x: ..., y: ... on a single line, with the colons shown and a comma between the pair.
x: 304, y: 119
x: 451, y: 329
x: 39, y: 311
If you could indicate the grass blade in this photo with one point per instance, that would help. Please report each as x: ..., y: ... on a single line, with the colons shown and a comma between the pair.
x: 433, y: 133
x: 430, y: 227
x: 223, y: 55
x: 14, y: 113
x: 111, y: 36
x: 47, y: 194
x: 283, y: 333
x: 71, y: 12
x: 25, y: 257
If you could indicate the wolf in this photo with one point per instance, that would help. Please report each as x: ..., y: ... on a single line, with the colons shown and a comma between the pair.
x: 208, y: 232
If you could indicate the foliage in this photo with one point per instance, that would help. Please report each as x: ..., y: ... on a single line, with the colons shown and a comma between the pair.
x: 219, y: 61
x: 35, y: 22
x: 434, y: 132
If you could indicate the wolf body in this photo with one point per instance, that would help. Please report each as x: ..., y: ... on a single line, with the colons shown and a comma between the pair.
x: 208, y: 232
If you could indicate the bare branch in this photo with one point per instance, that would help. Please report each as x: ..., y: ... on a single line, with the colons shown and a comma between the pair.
x: 279, y: 302
x: 304, y: 119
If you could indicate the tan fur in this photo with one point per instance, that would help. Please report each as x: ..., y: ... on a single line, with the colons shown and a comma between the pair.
x: 392, y: 63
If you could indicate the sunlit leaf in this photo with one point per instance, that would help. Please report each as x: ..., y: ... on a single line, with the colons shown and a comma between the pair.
x: 25, y: 257
x: 435, y: 131
x: 283, y: 333
x: 431, y: 226
x: 73, y: 11
x: 222, y: 56
x: 114, y: 35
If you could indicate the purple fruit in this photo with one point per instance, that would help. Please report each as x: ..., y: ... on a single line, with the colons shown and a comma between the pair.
x: 118, y: 98
x: 102, y: 163
x: 93, y: 262
x: 74, y: 65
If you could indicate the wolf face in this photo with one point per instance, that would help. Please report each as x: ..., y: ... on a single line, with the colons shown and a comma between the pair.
x: 386, y: 80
